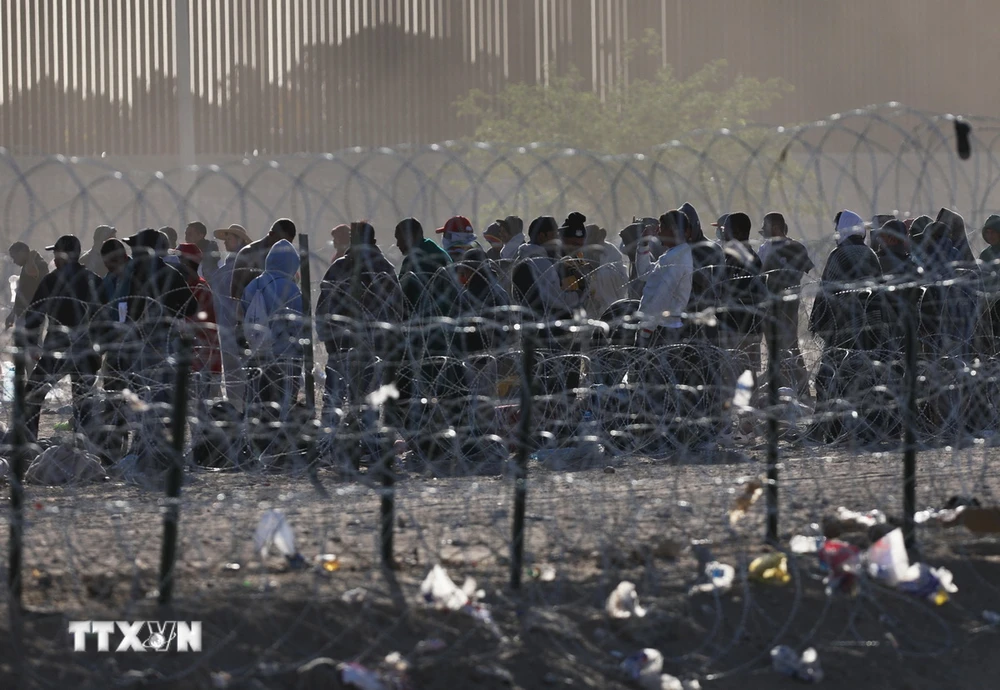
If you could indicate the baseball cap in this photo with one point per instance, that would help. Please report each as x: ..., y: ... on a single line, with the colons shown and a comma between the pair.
x: 992, y: 223
x: 190, y: 251
x: 67, y: 244
x: 456, y: 225
x: 492, y: 232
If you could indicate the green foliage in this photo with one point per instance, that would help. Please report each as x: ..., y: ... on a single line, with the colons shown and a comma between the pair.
x: 631, y: 119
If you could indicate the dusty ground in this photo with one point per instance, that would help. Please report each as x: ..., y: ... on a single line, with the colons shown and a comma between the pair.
x: 93, y: 553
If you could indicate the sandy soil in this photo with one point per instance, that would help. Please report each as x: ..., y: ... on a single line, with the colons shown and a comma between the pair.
x: 93, y: 553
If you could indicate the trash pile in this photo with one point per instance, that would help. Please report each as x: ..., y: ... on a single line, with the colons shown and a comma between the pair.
x: 885, y: 561
x: 439, y: 592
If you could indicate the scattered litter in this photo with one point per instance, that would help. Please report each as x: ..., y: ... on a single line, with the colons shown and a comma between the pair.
x: 720, y: 578
x: 328, y: 562
x: 991, y: 617
x: 274, y: 530
x: 803, y: 544
x: 806, y: 668
x: 64, y: 464
x: 440, y: 592
x: 354, y: 596
x: 771, y: 569
x: 391, y: 675
x: 850, y: 522
x: 933, y: 584
x: 751, y: 492
x: 624, y: 602
x: 431, y: 646
x: 887, y: 559
x: 232, y: 566
x: 544, y: 573
x: 981, y: 520
x: 379, y: 397
x: 609, y: 470
x: 221, y: 679
x: 843, y: 563
x: 744, y: 392
x: 646, y: 667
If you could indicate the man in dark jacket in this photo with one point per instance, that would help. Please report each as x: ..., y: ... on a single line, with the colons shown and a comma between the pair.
x: 33, y: 270
x: 361, y: 286
x: 709, y: 272
x: 784, y: 263
x: 159, y: 301
x: 743, y: 294
x: 428, y: 291
x: 64, y: 305
x: 250, y: 261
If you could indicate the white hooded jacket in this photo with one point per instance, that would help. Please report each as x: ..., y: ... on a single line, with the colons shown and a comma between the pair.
x: 668, y: 285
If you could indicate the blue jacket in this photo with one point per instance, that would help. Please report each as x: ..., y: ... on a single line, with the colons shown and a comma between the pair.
x: 281, y: 293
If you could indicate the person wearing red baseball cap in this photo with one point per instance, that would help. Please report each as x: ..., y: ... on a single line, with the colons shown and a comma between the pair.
x: 458, y: 237
x: 207, y: 357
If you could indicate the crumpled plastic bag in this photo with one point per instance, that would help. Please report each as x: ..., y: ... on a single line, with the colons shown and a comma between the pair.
x: 439, y: 591
x: 720, y: 578
x: 806, y: 668
x: 771, y: 569
x: 623, y: 602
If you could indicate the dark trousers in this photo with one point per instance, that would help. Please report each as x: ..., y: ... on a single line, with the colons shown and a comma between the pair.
x: 277, y: 382
x: 50, y: 369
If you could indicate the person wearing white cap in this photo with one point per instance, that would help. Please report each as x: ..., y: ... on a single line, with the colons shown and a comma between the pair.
x: 234, y: 237
x: 852, y: 260
x: 840, y: 313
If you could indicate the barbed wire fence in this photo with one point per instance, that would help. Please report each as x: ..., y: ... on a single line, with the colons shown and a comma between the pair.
x: 553, y: 462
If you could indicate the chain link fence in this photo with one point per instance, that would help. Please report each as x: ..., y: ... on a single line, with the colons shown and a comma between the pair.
x: 561, y: 464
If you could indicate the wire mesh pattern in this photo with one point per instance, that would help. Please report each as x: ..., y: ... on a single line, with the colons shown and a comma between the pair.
x: 551, y: 458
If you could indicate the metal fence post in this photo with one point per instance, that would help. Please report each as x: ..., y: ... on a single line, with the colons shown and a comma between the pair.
x: 909, y: 421
x: 17, y: 470
x: 521, y: 460
x: 308, y: 353
x: 773, y: 401
x: 175, y: 475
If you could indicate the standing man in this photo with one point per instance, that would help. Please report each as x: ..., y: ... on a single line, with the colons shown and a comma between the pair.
x: 784, y: 262
x: 197, y: 234
x: 67, y: 299
x: 207, y: 361
x: 92, y: 259
x: 341, y: 241
x: 234, y: 238
x: 250, y: 262
x: 422, y: 259
x: 33, y: 270
x: 743, y: 292
x: 667, y: 280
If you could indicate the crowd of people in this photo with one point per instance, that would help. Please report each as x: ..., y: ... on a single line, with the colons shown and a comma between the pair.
x: 109, y: 317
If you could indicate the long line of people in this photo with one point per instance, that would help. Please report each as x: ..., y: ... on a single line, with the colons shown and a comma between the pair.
x: 245, y: 313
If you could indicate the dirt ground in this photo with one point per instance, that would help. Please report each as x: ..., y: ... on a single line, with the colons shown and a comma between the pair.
x: 93, y: 553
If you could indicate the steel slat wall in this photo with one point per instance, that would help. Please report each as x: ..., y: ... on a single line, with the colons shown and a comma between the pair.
x: 275, y: 76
